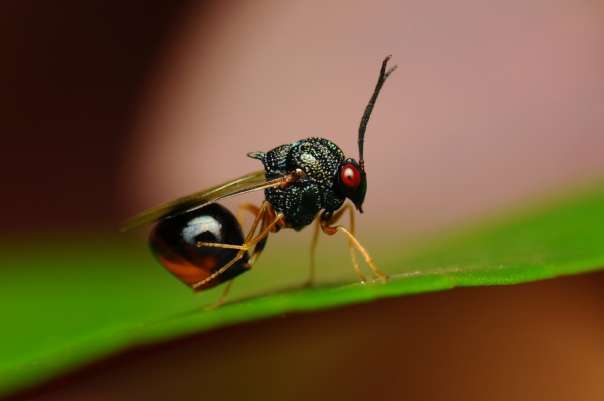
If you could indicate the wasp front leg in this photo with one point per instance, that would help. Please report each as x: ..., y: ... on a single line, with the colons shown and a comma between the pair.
x: 328, y: 227
x: 315, y: 239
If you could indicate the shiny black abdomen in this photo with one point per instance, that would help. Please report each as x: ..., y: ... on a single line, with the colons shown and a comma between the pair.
x: 301, y: 201
x: 173, y: 241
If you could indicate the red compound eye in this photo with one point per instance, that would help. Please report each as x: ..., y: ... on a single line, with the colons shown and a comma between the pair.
x: 350, y: 175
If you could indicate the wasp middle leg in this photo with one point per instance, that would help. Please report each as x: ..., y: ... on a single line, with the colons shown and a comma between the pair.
x: 313, y: 253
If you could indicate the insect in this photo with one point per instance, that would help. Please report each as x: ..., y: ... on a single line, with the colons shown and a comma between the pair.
x: 202, y: 242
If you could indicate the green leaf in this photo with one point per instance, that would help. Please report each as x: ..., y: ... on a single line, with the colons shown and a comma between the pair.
x: 67, y: 302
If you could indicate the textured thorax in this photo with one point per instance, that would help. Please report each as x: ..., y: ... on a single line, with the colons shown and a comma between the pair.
x: 300, y: 202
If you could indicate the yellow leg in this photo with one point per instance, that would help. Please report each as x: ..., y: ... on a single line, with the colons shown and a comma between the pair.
x: 247, y: 245
x: 249, y: 207
x: 313, y: 253
x: 223, y: 296
x: 260, y: 215
x: 256, y: 253
x: 335, y: 218
x: 266, y: 230
x: 353, y: 243
x: 251, y: 262
x: 221, y: 270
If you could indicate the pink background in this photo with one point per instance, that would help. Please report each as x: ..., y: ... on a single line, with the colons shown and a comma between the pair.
x: 492, y: 104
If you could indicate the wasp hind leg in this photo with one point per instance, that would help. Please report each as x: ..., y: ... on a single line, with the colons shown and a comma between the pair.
x: 253, y: 245
x: 249, y: 207
x: 328, y: 227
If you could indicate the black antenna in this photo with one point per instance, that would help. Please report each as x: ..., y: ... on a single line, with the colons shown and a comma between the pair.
x: 382, y: 78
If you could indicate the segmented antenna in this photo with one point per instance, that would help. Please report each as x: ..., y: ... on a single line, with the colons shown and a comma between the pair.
x: 382, y: 78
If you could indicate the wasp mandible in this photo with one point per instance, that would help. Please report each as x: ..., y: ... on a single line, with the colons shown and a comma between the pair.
x: 202, y: 242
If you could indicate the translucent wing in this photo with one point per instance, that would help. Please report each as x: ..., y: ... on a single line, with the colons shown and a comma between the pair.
x: 251, y: 182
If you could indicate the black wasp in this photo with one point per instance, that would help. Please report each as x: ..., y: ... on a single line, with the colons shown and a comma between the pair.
x: 202, y: 243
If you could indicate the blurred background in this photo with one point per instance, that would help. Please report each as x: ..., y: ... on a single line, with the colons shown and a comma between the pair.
x: 111, y: 107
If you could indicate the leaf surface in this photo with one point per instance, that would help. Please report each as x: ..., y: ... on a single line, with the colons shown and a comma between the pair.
x: 69, y: 302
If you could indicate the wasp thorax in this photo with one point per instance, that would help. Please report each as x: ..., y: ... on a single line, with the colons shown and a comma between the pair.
x: 352, y: 182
